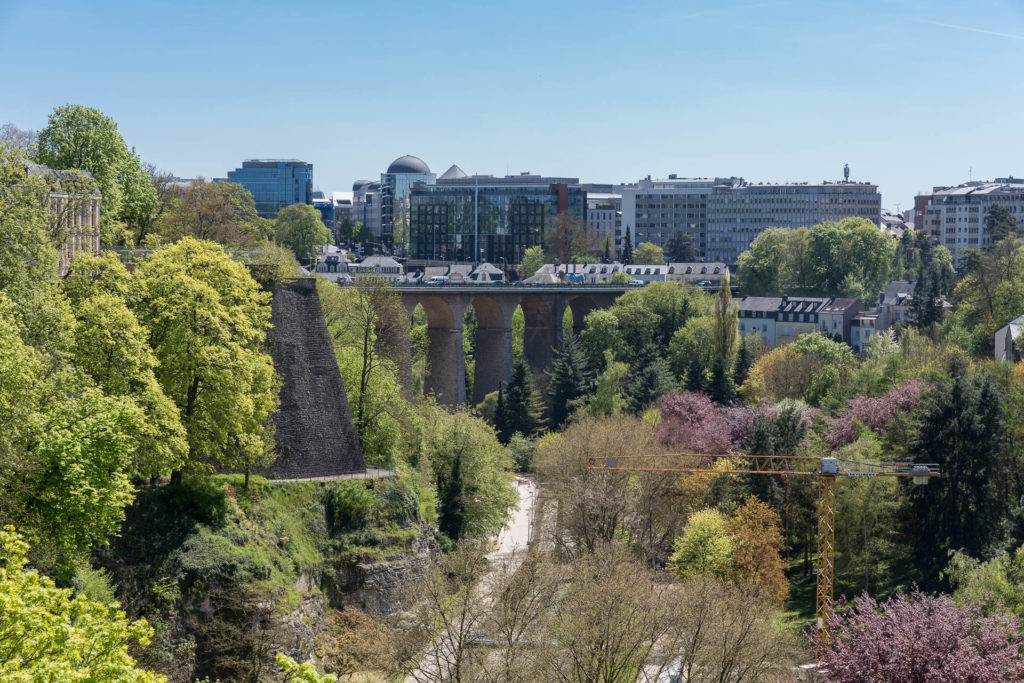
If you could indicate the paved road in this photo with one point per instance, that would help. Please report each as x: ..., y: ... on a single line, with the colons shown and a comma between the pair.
x: 512, y: 542
x: 515, y: 536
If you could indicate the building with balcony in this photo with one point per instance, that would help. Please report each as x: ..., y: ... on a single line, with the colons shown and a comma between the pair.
x: 955, y: 216
x: 274, y: 183
x: 484, y: 218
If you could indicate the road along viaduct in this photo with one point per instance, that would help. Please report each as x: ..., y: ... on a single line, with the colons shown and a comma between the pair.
x: 543, y: 310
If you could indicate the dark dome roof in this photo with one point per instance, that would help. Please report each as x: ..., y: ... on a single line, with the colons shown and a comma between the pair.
x: 408, y: 164
x: 360, y: 184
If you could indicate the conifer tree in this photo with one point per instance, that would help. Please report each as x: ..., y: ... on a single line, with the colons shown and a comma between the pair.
x: 570, y: 379
x: 650, y: 378
x: 627, y: 248
x: 722, y: 389
x: 523, y: 409
x: 452, y: 520
x: 743, y: 363
x: 608, y: 248
x: 696, y: 378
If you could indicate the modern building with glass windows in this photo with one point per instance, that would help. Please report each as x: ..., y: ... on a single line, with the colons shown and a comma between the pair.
x: 274, y: 183
x: 395, y: 187
x: 483, y: 218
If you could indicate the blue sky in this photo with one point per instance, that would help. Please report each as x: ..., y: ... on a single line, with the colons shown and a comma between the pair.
x: 910, y: 93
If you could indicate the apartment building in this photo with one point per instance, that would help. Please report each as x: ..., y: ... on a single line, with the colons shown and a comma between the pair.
x: 781, y: 320
x: 955, y: 216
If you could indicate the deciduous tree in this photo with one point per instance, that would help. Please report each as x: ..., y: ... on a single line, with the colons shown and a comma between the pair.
x: 207, y: 321
x: 920, y: 637
x: 299, y: 228
x: 50, y: 634
x: 648, y: 252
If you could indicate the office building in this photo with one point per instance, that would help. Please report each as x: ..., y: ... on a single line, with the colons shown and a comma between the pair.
x: 724, y: 215
x: 395, y: 186
x: 484, y: 218
x: 955, y: 216
x: 604, y: 214
x: 326, y: 208
x: 274, y: 183
x: 366, y: 205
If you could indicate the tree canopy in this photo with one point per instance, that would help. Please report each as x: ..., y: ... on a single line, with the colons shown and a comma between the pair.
x: 299, y: 228
x: 851, y: 257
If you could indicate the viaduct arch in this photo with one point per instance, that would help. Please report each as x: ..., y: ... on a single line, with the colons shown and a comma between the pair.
x: 543, y: 310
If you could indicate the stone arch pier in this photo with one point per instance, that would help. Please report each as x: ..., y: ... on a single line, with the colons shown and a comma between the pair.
x: 543, y: 310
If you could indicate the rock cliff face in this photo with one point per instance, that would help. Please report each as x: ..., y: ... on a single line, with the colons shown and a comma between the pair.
x: 314, y: 430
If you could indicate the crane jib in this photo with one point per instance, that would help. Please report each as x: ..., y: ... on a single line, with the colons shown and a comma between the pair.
x: 859, y: 474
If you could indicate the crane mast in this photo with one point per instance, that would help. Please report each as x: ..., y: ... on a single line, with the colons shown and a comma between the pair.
x: 826, y: 470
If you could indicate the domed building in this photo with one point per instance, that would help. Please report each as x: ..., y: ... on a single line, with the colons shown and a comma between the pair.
x: 395, y: 186
x: 408, y: 164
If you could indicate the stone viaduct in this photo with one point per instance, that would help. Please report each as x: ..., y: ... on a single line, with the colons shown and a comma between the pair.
x: 543, y: 310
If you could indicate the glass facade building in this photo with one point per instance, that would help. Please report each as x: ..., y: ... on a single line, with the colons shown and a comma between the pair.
x: 395, y: 187
x: 483, y: 218
x: 274, y: 183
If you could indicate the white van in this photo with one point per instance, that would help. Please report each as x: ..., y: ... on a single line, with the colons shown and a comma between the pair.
x: 438, y: 280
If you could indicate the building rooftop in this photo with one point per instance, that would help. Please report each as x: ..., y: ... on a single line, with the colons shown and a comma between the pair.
x: 408, y: 164
x: 453, y: 172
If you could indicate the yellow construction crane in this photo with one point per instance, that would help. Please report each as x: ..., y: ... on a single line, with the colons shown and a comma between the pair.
x: 827, y: 470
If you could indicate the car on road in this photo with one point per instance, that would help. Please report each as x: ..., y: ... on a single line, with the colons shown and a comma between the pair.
x: 636, y: 283
x: 438, y: 280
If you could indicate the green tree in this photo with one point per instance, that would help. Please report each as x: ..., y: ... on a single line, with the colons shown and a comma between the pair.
x: 368, y: 323
x: 962, y: 429
x: 533, y: 259
x: 523, y: 409
x: 607, y: 399
x: 648, y: 252
x: 1000, y: 224
x: 113, y: 349
x: 570, y: 379
x: 650, y: 379
x: 50, y: 634
x: 620, y: 277
x: 483, y: 473
x: 77, y: 137
x: 680, y: 249
x: 218, y: 211
x: 207, y: 321
x: 695, y: 339
x: 743, y: 363
x: 28, y: 258
x: 721, y: 388
x: 704, y: 547
x: 696, y: 378
x: 299, y: 228
x: 760, y: 267
x: 67, y: 448
x: 725, y: 317
x: 600, y: 334
x: 627, y: 248
x: 452, y: 489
